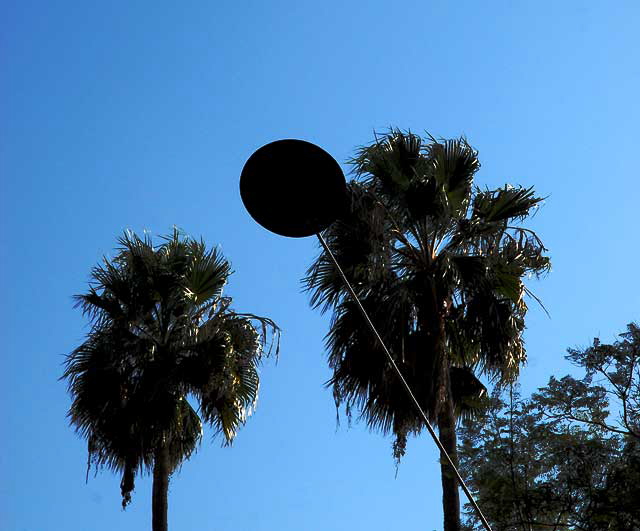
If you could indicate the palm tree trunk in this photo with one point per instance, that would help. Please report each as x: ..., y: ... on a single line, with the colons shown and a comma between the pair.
x: 446, y: 420
x: 450, y: 492
x: 160, y: 504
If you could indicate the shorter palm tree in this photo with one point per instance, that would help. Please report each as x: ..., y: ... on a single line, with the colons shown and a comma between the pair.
x: 162, y: 334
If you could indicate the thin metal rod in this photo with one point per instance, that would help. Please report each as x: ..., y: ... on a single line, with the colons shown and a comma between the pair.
x: 406, y: 385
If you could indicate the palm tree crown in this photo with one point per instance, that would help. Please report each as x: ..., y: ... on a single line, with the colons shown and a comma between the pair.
x: 438, y: 265
x: 162, y: 334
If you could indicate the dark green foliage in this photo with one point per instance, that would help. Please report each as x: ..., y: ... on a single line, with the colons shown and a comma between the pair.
x: 612, y: 373
x: 162, y: 333
x: 439, y: 266
x: 568, y: 457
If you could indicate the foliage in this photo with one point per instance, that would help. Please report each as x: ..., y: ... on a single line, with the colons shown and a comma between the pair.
x: 162, y: 336
x: 612, y: 373
x: 560, y: 460
x: 438, y: 264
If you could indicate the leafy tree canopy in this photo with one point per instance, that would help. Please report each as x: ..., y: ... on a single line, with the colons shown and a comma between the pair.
x: 568, y: 457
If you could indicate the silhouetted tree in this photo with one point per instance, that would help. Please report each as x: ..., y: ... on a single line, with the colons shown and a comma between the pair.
x: 612, y: 374
x: 560, y: 460
x: 438, y: 264
x: 162, y: 332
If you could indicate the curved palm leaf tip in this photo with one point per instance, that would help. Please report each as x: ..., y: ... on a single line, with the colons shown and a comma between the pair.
x: 162, y: 335
x: 439, y: 266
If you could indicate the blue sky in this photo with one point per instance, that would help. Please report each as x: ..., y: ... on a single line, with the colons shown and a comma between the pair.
x: 141, y: 114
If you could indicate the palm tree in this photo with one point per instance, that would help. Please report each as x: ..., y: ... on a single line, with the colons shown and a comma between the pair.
x: 161, y: 332
x: 438, y: 265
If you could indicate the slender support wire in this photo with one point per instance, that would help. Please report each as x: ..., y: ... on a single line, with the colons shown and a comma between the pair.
x: 406, y: 385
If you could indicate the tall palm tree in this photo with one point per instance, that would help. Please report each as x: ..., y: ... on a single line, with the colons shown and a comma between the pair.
x: 438, y: 265
x: 162, y: 332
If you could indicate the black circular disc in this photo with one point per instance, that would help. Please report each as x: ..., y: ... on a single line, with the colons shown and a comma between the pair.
x: 293, y: 188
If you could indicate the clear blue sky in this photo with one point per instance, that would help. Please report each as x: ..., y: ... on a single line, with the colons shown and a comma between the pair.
x: 141, y: 114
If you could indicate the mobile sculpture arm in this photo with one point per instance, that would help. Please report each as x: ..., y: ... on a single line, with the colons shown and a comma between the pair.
x: 296, y: 189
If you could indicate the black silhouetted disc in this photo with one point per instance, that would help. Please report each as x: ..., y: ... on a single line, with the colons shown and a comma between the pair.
x: 293, y: 188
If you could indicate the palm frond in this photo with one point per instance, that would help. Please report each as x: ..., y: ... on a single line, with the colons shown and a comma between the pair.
x: 505, y: 203
x: 392, y: 160
x: 469, y: 394
x: 454, y: 164
x: 207, y: 274
x: 497, y: 326
x: 359, y: 241
x: 185, y: 433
